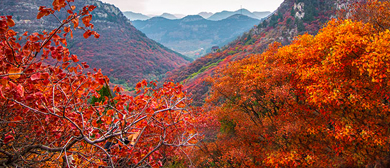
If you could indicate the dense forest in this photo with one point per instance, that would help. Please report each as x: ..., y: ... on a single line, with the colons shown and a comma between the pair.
x: 316, y: 97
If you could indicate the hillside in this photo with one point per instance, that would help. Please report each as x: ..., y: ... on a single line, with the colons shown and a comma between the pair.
x: 193, y: 35
x: 122, y: 52
x: 292, y: 18
x: 225, y: 14
x: 320, y: 101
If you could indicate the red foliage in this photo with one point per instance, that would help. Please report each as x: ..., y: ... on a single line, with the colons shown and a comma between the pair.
x: 59, y: 116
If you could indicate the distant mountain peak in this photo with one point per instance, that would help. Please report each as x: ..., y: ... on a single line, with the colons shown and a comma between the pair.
x: 239, y: 16
x: 205, y: 14
x: 168, y: 16
x: 243, y: 10
x: 158, y: 18
x: 135, y: 16
x: 225, y: 14
x: 192, y: 18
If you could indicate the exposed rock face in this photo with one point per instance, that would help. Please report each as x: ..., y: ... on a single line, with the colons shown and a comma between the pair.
x: 122, y: 52
x: 299, y: 8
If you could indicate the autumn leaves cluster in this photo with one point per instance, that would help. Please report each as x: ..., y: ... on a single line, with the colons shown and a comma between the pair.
x: 322, y: 101
x: 54, y: 113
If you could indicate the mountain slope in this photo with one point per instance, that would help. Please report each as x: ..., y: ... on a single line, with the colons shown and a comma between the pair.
x: 135, y: 16
x: 122, y: 52
x: 292, y: 18
x: 192, y: 35
x: 225, y: 14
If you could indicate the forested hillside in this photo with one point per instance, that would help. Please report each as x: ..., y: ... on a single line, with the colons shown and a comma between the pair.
x: 122, y: 52
x: 322, y: 101
x: 292, y: 18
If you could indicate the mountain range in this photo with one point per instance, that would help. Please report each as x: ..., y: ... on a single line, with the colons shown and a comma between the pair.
x: 207, y: 15
x: 123, y: 53
x: 193, y: 35
x: 225, y: 14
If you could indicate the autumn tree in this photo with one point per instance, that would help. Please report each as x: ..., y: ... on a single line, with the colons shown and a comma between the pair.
x: 49, y: 116
x: 322, y: 101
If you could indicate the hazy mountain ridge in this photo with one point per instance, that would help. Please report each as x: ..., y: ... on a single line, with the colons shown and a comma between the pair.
x: 225, y: 14
x: 135, y: 16
x: 193, y: 32
x: 205, y: 14
x: 122, y: 52
x: 168, y: 16
x: 292, y: 18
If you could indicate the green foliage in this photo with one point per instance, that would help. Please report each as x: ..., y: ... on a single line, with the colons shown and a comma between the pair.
x: 232, y: 52
x: 227, y: 126
x: 300, y: 25
x: 103, y: 92
x: 292, y: 12
x: 203, y: 69
x: 249, y: 40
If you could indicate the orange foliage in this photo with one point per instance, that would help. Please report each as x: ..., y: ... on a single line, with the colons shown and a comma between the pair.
x: 322, y: 101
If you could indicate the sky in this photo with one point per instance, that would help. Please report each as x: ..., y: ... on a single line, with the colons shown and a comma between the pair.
x: 191, y: 7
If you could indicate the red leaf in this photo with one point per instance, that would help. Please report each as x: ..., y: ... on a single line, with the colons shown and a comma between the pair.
x: 20, y: 90
x: 17, y: 118
x: 87, y: 34
x: 86, y: 20
x: 101, y: 81
x: 36, y: 76
x: 8, y: 139
x: 1, y: 92
x: 10, y: 22
x: 67, y: 29
x: 91, y: 8
x: 40, y: 15
x: 74, y: 58
x: 96, y: 34
x: 138, y: 86
x: 75, y: 22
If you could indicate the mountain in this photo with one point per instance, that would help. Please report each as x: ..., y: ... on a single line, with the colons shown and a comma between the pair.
x: 205, y: 14
x: 225, y: 14
x: 193, y: 35
x: 122, y: 52
x: 135, y: 16
x: 179, y: 16
x: 168, y: 16
x: 292, y: 18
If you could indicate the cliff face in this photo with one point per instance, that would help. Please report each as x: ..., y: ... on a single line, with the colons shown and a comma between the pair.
x: 122, y: 52
x: 292, y: 18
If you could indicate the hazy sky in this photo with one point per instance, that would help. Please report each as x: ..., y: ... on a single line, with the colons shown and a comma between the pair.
x: 157, y: 7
